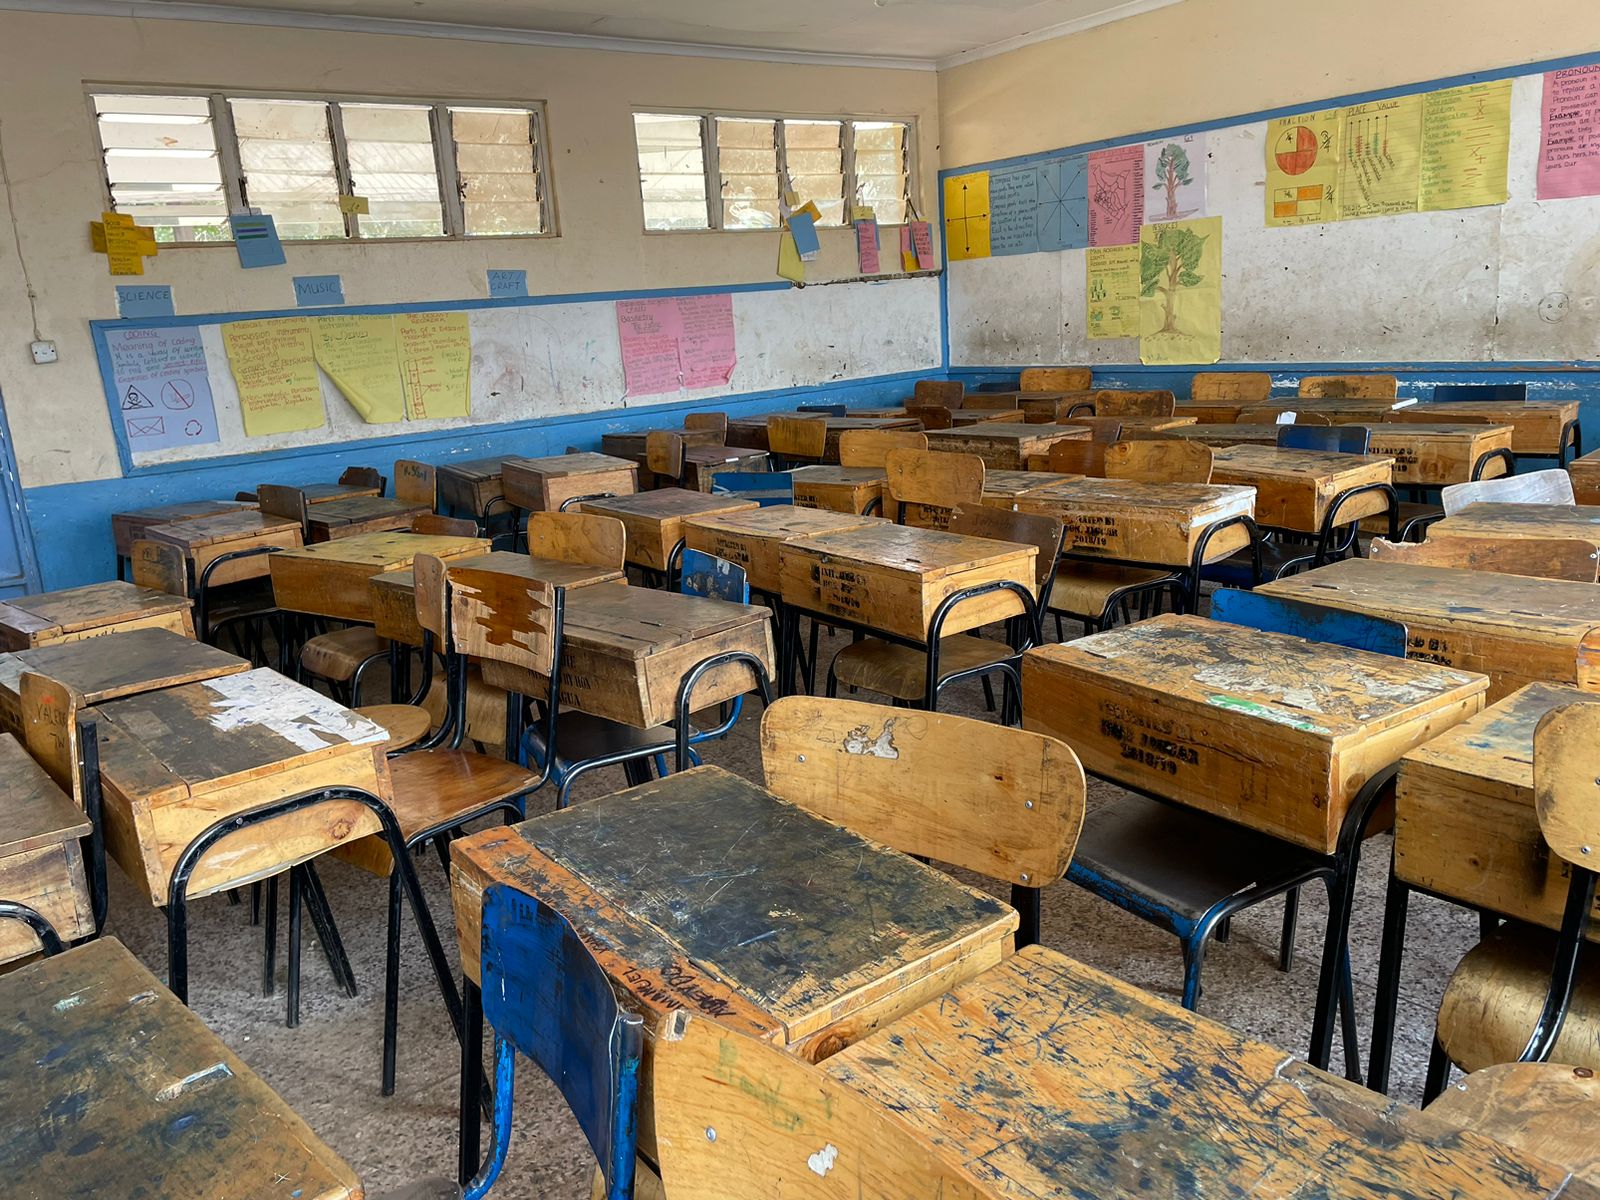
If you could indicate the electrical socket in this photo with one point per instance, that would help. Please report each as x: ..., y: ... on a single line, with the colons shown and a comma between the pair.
x: 43, y: 352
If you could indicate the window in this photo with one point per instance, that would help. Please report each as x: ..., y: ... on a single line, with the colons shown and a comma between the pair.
x: 834, y: 162
x: 426, y: 169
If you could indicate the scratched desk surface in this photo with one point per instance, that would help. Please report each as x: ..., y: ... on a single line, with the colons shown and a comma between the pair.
x: 76, y: 612
x: 1046, y: 1078
x: 113, y: 1088
x: 1580, y: 521
x: 705, y: 890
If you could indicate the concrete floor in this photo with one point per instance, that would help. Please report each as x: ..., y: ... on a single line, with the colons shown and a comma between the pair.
x: 328, y: 1067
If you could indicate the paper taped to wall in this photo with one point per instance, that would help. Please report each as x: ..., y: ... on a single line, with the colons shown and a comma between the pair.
x: 435, y: 364
x: 362, y: 357
x: 275, y: 369
x: 164, y: 393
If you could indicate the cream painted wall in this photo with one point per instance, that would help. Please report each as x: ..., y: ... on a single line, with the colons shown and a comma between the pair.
x: 58, y: 413
x: 1206, y: 59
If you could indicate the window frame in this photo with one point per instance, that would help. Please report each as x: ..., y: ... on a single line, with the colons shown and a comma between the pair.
x: 713, y: 167
x: 444, y: 155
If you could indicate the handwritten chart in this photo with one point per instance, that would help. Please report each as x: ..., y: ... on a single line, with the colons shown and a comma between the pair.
x: 164, y: 395
x: 1116, y: 195
x: 274, y: 366
x: 1569, y: 145
x: 1014, y: 211
x: 676, y: 342
x: 966, y: 216
x: 1466, y: 140
x: 1303, y: 168
x: 435, y: 364
x: 362, y: 357
x: 1112, y: 288
x: 1380, y: 173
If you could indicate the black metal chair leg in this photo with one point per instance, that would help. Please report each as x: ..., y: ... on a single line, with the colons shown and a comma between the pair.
x: 321, y: 914
x: 988, y: 692
x: 471, y: 1099
x: 1291, y: 924
x: 296, y: 898
x: 1395, y: 908
x: 1488, y: 922
x: 269, y: 935
x: 255, y: 903
x: 391, y: 987
x: 1438, y: 1074
x: 1347, y: 1027
x: 1026, y: 901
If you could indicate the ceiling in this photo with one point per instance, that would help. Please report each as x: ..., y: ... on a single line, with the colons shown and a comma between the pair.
x: 931, y: 31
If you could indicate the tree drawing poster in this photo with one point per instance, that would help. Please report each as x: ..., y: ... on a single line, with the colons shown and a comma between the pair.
x: 1116, y: 195
x: 1180, y: 292
x: 1303, y: 168
x: 1175, y: 178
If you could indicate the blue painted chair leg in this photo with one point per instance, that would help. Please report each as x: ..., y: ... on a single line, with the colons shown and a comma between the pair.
x: 505, y: 1057
x: 1194, y: 957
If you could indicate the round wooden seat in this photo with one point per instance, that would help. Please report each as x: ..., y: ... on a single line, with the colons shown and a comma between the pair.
x: 1087, y: 589
x: 405, y: 724
x: 336, y: 655
x: 1544, y: 1108
x: 901, y: 671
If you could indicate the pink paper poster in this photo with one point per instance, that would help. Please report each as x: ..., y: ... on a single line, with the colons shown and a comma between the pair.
x: 867, y: 246
x: 1116, y: 196
x: 922, y: 239
x: 676, y: 342
x: 1569, y: 146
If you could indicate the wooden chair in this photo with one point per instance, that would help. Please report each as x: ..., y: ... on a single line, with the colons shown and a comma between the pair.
x: 1107, y: 429
x: 1158, y: 461
x: 941, y: 393
x: 918, y: 674
x: 664, y: 454
x: 932, y: 416
x: 1536, y: 487
x: 545, y: 995
x: 1524, y: 994
x: 715, y: 1092
x: 279, y: 501
x: 588, y: 539
x: 797, y: 441
x: 903, y: 780
x: 1056, y: 379
x: 1350, y: 387
x: 417, y: 482
x: 1134, y: 404
x: 1075, y: 456
x: 923, y: 486
x: 1243, y: 386
x: 1545, y: 1109
x: 1542, y: 558
x: 870, y: 447
x: 717, y: 421
x: 363, y: 477
x: 244, y: 615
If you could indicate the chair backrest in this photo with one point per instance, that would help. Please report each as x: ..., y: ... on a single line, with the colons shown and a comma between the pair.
x: 1565, y: 797
x: 545, y: 995
x: 50, y: 729
x: 278, y: 501
x: 1134, y: 404
x: 715, y: 421
x: 826, y: 410
x: 1350, y: 387
x: 739, y: 1117
x: 904, y: 778
x: 946, y: 393
x: 366, y: 477
x: 161, y: 567
x: 663, y: 452
x: 1078, y: 456
x: 1536, y: 487
x: 1006, y: 525
x: 1159, y: 460
x: 1446, y: 392
x: 504, y: 617
x: 1332, y: 626
x: 870, y: 447
x: 799, y: 438
x: 431, y: 594
x: 1340, y: 439
x: 1543, y: 558
x: 1056, y: 379
x: 764, y: 487
x: 1245, y: 386
x: 591, y: 539
x: 934, y: 481
x: 416, y: 482
x: 714, y: 578
x: 1101, y: 429
x: 932, y: 416
x: 444, y: 526
x: 985, y: 401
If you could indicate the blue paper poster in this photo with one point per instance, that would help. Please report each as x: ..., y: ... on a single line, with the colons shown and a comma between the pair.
x: 163, y: 393
x: 314, y: 291
x: 255, y: 237
x: 144, y: 300
x: 507, y: 284
x: 1013, y: 211
x: 1063, y: 209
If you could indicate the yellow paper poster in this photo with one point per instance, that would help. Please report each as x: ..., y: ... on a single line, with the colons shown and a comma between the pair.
x: 966, y: 215
x: 124, y: 251
x: 1113, y: 291
x: 359, y: 205
x: 1303, y: 168
x: 435, y: 364
x: 1466, y: 136
x: 1380, y: 173
x: 790, y: 265
x: 362, y: 357
x: 275, y: 370
x: 97, y: 236
x: 1180, y: 292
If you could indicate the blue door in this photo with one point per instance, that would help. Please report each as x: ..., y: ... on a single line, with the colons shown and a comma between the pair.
x: 19, y: 573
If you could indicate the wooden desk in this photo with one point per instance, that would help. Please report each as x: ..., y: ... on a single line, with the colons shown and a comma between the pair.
x: 1514, y: 629
x: 1580, y: 522
x: 1156, y: 523
x: 362, y: 514
x: 330, y: 579
x: 1218, y: 412
x: 323, y: 493
x: 107, y: 1077
x: 208, y: 538
x: 175, y: 762
x: 842, y: 489
x: 1005, y: 488
x: 962, y: 417
x: 1221, y: 434
x: 703, y: 891
x: 394, y: 604
x: 752, y: 538
x: 41, y: 856
x: 1112, y: 429
x: 544, y: 484
x: 119, y: 664
x: 700, y: 463
x: 1046, y: 1078
x: 890, y: 578
x: 1339, y: 410
x: 1002, y: 445
x: 1585, y: 475
x: 1051, y: 408
x: 631, y: 446
x: 471, y: 487
x: 90, y: 611
x: 654, y: 520
x: 1538, y: 426
x: 892, y: 411
x: 1295, y: 489
x: 1272, y: 732
x: 625, y: 651
x: 1436, y: 455
x: 751, y: 432
x: 129, y: 527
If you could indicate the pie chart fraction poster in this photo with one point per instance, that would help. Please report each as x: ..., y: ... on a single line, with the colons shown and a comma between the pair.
x: 1303, y: 168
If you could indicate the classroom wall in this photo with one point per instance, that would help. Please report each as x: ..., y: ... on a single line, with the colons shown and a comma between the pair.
x: 58, y: 415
